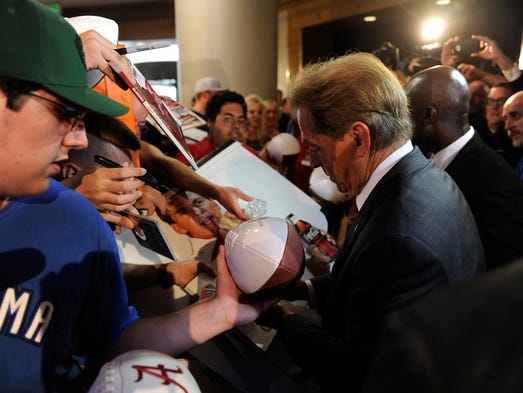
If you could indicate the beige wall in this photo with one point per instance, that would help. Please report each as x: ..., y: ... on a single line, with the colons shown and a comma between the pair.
x: 233, y: 40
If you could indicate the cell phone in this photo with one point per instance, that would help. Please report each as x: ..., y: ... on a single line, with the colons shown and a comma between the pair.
x: 147, y: 178
x: 463, y: 48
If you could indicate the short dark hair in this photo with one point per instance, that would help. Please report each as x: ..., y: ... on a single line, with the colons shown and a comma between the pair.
x: 214, y: 106
x: 112, y: 130
x: 14, y: 88
x: 503, y: 85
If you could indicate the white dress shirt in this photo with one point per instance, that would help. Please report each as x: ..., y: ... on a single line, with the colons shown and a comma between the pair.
x: 445, y: 156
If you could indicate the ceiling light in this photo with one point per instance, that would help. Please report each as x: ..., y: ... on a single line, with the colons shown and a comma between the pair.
x: 442, y: 2
x: 369, y: 18
x: 433, y: 29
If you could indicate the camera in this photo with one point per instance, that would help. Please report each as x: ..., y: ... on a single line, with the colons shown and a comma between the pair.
x: 463, y: 48
x: 389, y: 55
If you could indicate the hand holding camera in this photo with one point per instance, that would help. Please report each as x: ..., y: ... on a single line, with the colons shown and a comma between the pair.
x: 466, y: 48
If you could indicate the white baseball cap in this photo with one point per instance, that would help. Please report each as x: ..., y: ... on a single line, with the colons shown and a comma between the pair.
x: 209, y: 83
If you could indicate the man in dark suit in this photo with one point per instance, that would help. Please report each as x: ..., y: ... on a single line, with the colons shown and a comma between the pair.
x: 414, y: 233
x: 439, y: 100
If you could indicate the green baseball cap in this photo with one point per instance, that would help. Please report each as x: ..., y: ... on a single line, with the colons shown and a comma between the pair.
x: 38, y: 45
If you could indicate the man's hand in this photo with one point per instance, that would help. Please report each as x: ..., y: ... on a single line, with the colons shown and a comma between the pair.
x: 491, y: 51
x: 151, y: 200
x: 184, y: 271
x: 228, y: 197
x: 99, y: 52
x: 121, y: 221
x: 237, y: 309
x: 273, y: 317
x: 112, y: 189
x: 447, y: 57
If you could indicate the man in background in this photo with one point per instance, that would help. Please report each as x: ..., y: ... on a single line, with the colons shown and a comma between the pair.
x: 513, y: 117
x: 439, y: 98
x: 204, y: 89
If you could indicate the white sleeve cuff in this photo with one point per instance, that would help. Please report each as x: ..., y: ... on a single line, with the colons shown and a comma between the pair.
x: 512, y: 74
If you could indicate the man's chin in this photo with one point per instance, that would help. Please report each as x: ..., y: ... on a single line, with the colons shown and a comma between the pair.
x: 32, y: 188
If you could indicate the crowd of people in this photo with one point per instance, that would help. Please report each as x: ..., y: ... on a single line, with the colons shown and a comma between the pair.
x: 431, y: 164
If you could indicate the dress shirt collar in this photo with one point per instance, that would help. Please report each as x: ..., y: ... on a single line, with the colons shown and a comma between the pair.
x: 381, y: 170
x: 445, y: 156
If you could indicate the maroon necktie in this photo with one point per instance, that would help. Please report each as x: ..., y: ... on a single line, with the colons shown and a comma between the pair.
x: 349, y: 219
x: 353, y: 213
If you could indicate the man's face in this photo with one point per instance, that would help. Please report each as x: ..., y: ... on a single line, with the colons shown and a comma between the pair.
x: 335, y: 157
x: 33, y: 140
x: 513, y: 116
x: 272, y: 115
x: 478, y: 96
x: 229, y: 124
x: 187, y: 219
x: 206, y: 212
x: 496, y: 98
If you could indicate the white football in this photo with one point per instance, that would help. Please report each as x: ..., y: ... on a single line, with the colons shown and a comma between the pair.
x: 265, y: 256
x: 142, y: 370
x: 282, y: 145
x: 322, y: 186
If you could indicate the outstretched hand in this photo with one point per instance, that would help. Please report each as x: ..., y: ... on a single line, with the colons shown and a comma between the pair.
x: 447, y: 57
x: 237, y: 308
x: 184, y: 271
x: 151, y: 200
x: 112, y: 189
x: 99, y: 52
x: 490, y: 49
x: 228, y: 197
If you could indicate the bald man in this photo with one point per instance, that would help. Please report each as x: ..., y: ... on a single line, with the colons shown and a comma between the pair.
x: 513, y: 117
x: 439, y: 98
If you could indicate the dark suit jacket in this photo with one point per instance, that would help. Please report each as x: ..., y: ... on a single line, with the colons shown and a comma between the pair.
x: 517, y: 85
x: 495, y: 196
x: 413, y: 235
x: 499, y: 141
x: 468, y: 339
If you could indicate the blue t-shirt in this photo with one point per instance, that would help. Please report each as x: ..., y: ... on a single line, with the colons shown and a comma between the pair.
x: 61, y: 289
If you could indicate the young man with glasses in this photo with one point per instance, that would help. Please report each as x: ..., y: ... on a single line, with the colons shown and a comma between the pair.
x: 62, y: 296
x: 226, y: 117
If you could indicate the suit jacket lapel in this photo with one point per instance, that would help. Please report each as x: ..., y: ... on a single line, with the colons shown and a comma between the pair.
x: 411, y: 162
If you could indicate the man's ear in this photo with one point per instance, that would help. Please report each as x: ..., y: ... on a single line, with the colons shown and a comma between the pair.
x: 430, y: 114
x: 360, y: 133
x: 178, y: 228
x: 69, y: 170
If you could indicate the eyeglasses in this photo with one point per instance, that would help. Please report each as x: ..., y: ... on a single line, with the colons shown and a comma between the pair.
x: 241, y: 121
x: 498, y: 101
x: 64, y: 113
